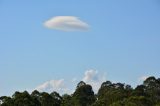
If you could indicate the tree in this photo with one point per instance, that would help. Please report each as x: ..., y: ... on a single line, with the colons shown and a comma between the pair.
x: 66, y: 100
x: 57, y: 99
x: 140, y: 90
x: 153, y: 88
x: 46, y: 99
x: 6, y: 101
x: 81, y: 83
x: 84, y: 95
x: 110, y: 93
x: 138, y: 101
x: 118, y: 103
x: 36, y: 97
x: 23, y: 99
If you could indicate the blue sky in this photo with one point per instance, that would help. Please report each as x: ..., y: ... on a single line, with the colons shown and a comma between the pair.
x: 122, y: 42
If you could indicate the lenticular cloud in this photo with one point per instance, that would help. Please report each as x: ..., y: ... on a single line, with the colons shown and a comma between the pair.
x: 66, y: 23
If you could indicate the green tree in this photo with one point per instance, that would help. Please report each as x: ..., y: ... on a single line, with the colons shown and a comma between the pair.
x: 46, y: 99
x: 84, y: 95
x: 110, y: 93
x: 66, y: 100
x: 138, y: 101
x: 23, y: 99
x: 153, y: 88
x: 118, y: 103
x: 6, y: 101
x: 57, y: 99
x: 36, y: 97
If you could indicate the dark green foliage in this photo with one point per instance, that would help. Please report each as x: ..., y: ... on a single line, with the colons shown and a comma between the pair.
x: 6, y: 101
x: 138, y: 101
x: 109, y: 94
x: 153, y: 88
x: 23, y: 99
x: 56, y: 99
x: 66, y: 100
x: 83, y: 96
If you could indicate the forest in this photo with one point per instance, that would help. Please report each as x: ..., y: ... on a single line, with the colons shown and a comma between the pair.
x: 109, y: 94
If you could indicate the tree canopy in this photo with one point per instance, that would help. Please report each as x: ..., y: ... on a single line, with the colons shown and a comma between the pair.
x: 109, y: 94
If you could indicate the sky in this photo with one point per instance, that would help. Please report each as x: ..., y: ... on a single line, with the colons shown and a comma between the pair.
x: 53, y: 44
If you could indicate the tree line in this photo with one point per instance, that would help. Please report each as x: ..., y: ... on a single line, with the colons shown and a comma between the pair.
x: 109, y: 94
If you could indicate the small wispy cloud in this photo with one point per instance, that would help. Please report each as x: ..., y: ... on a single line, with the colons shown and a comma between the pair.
x: 52, y: 85
x: 90, y: 75
x: 93, y: 78
x: 62, y: 86
x: 66, y: 23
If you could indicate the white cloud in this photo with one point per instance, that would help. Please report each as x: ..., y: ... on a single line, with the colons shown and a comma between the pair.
x: 89, y: 75
x: 62, y: 86
x: 93, y: 78
x: 52, y: 85
x: 66, y: 23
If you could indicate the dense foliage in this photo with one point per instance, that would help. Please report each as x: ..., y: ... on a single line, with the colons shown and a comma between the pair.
x: 109, y: 94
